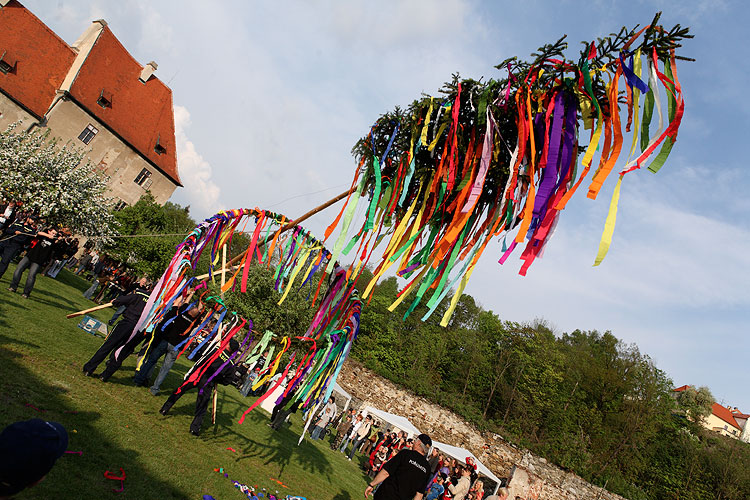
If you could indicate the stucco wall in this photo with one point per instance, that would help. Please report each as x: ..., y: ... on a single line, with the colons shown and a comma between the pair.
x: 531, y: 477
x: 714, y: 423
x: 10, y: 112
x: 117, y: 160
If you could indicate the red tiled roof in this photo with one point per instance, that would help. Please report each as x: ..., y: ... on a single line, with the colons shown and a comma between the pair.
x: 681, y: 388
x: 139, y: 113
x: 723, y: 413
x: 739, y: 414
x: 42, y: 58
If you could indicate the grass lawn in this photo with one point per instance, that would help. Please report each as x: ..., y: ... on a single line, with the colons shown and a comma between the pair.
x: 117, y: 425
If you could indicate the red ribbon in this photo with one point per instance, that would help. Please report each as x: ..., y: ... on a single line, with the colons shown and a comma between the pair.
x: 120, y: 478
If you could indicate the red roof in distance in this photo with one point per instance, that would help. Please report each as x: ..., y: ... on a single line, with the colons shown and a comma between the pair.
x: 681, y: 388
x: 724, y: 414
x: 141, y: 113
x: 41, y: 58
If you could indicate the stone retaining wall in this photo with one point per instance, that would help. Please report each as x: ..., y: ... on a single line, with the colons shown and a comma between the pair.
x: 531, y: 477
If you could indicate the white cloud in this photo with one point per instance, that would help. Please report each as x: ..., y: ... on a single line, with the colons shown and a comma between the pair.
x: 200, y: 191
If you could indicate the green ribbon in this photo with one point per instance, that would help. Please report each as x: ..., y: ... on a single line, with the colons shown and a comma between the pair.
x: 666, y: 148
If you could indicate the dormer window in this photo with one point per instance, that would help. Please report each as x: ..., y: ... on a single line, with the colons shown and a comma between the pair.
x: 159, y: 149
x: 105, y: 99
x: 6, y: 64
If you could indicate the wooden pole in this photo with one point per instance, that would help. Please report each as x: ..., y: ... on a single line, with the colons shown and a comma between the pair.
x: 86, y: 311
x: 215, y: 400
x: 284, y: 228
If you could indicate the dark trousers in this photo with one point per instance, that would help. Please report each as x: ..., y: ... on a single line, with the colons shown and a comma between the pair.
x: 280, y: 417
x: 118, y: 337
x: 7, y: 252
x: 152, y: 357
x: 201, y: 402
x: 33, y: 268
x: 114, y: 363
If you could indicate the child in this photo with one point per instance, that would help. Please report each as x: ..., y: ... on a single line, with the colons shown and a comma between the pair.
x: 436, y: 488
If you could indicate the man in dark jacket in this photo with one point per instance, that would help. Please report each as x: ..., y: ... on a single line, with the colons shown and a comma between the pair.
x: 134, y: 302
x: 405, y: 476
x: 205, y: 385
x: 168, y: 333
x: 36, y: 258
x: 14, y: 239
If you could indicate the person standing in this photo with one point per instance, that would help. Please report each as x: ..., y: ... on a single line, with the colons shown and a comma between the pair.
x: 462, y: 487
x: 84, y: 261
x: 436, y: 489
x: 134, y: 302
x: 345, y: 425
x: 7, y: 214
x: 60, y: 254
x: 178, y: 322
x: 97, y: 270
x: 36, y: 258
x: 405, y: 476
x: 220, y: 371
x: 356, y: 423
x: 321, y: 424
x: 361, y: 435
x: 331, y: 404
x: 14, y: 239
x: 372, y: 438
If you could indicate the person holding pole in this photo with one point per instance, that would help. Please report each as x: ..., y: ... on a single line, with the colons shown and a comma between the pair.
x: 134, y: 302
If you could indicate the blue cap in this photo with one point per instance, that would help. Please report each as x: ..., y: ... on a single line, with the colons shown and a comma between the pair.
x: 28, y: 450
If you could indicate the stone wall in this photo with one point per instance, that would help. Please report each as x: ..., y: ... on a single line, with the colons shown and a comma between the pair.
x: 531, y: 477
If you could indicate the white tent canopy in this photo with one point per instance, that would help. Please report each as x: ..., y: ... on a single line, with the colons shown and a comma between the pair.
x: 340, y: 390
x: 397, y: 421
x: 461, y: 454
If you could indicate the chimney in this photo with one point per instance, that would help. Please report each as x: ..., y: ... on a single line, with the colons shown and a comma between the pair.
x: 87, y: 39
x: 148, y: 70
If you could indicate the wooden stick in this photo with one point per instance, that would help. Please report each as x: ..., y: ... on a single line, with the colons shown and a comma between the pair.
x: 86, y: 311
x: 286, y: 227
x: 215, y: 398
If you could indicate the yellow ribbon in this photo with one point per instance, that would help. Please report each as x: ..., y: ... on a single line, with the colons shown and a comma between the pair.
x: 609, y: 225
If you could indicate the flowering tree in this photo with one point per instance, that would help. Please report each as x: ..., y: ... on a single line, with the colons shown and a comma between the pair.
x: 55, y: 182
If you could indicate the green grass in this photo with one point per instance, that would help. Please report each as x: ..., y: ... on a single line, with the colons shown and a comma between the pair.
x: 117, y: 425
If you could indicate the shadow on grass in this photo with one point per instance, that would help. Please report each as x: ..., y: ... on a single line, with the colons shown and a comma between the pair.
x: 8, y: 340
x: 281, y: 448
x: 23, y: 395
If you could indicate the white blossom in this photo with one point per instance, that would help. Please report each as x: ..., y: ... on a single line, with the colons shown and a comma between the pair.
x: 54, y: 181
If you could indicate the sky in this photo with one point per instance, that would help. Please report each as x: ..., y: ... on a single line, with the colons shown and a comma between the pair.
x: 270, y: 97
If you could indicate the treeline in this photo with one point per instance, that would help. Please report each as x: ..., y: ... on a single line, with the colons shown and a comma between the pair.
x: 584, y: 400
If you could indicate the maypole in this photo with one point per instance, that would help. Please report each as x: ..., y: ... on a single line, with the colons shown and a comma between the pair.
x: 439, y: 180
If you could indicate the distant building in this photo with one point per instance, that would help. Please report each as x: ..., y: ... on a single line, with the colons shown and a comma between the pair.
x: 93, y: 94
x: 726, y: 421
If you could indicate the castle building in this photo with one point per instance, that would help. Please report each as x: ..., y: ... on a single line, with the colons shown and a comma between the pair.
x: 92, y: 94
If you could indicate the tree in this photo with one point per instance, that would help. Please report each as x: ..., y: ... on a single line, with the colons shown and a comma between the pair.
x: 149, y: 234
x: 694, y: 403
x: 55, y: 182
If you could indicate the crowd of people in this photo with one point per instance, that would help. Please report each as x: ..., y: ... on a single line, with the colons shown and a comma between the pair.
x: 41, y: 247
x: 45, y: 249
x: 394, y: 462
x: 448, y: 477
